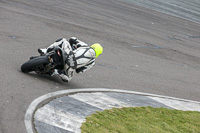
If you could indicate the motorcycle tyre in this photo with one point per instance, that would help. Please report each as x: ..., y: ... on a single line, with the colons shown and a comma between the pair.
x: 33, y: 63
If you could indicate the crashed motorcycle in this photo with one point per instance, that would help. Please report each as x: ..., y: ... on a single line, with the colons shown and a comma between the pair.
x: 45, y: 64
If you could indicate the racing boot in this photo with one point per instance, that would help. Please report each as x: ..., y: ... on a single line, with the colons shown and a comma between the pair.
x: 64, y: 77
x: 42, y: 51
x: 60, y: 73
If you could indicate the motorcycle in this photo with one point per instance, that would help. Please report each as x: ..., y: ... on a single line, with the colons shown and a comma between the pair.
x: 45, y: 64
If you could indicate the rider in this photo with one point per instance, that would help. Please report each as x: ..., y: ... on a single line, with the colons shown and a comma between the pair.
x: 80, y: 56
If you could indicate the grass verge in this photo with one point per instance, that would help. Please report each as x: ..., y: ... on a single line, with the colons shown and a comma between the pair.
x: 142, y: 120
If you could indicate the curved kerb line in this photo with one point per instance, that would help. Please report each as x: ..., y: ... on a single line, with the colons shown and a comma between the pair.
x: 42, y: 100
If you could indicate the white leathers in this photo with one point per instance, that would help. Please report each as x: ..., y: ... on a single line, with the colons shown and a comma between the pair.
x: 63, y: 43
x: 83, y: 56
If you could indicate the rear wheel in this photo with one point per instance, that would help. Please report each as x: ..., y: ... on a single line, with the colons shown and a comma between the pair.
x: 34, y: 63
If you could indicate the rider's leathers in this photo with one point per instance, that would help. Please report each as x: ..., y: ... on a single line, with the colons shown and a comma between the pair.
x: 78, y: 60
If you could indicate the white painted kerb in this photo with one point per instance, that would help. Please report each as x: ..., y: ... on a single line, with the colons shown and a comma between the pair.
x: 50, y: 96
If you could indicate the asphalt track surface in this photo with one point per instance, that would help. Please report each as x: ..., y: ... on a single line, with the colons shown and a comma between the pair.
x: 144, y: 51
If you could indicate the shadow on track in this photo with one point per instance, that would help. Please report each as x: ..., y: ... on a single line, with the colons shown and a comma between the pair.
x: 52, y: 80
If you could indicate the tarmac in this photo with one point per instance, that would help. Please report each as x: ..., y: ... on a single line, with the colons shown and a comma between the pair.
x: 65, y: 111
x: 145, y: 50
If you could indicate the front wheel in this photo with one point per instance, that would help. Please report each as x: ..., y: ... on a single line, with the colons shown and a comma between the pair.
x: 32, y: 64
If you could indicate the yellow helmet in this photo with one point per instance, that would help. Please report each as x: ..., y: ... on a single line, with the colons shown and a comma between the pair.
x: 97, y: 48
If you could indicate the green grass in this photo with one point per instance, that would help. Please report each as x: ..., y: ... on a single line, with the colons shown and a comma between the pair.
x: 142, y: 120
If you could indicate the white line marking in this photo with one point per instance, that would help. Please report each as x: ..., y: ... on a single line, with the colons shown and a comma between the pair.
x: 59, y: 118
x: 180, y: 105
x: 100, y: 100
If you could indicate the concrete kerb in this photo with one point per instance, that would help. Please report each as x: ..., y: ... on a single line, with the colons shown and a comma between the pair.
x: 41, y: 101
